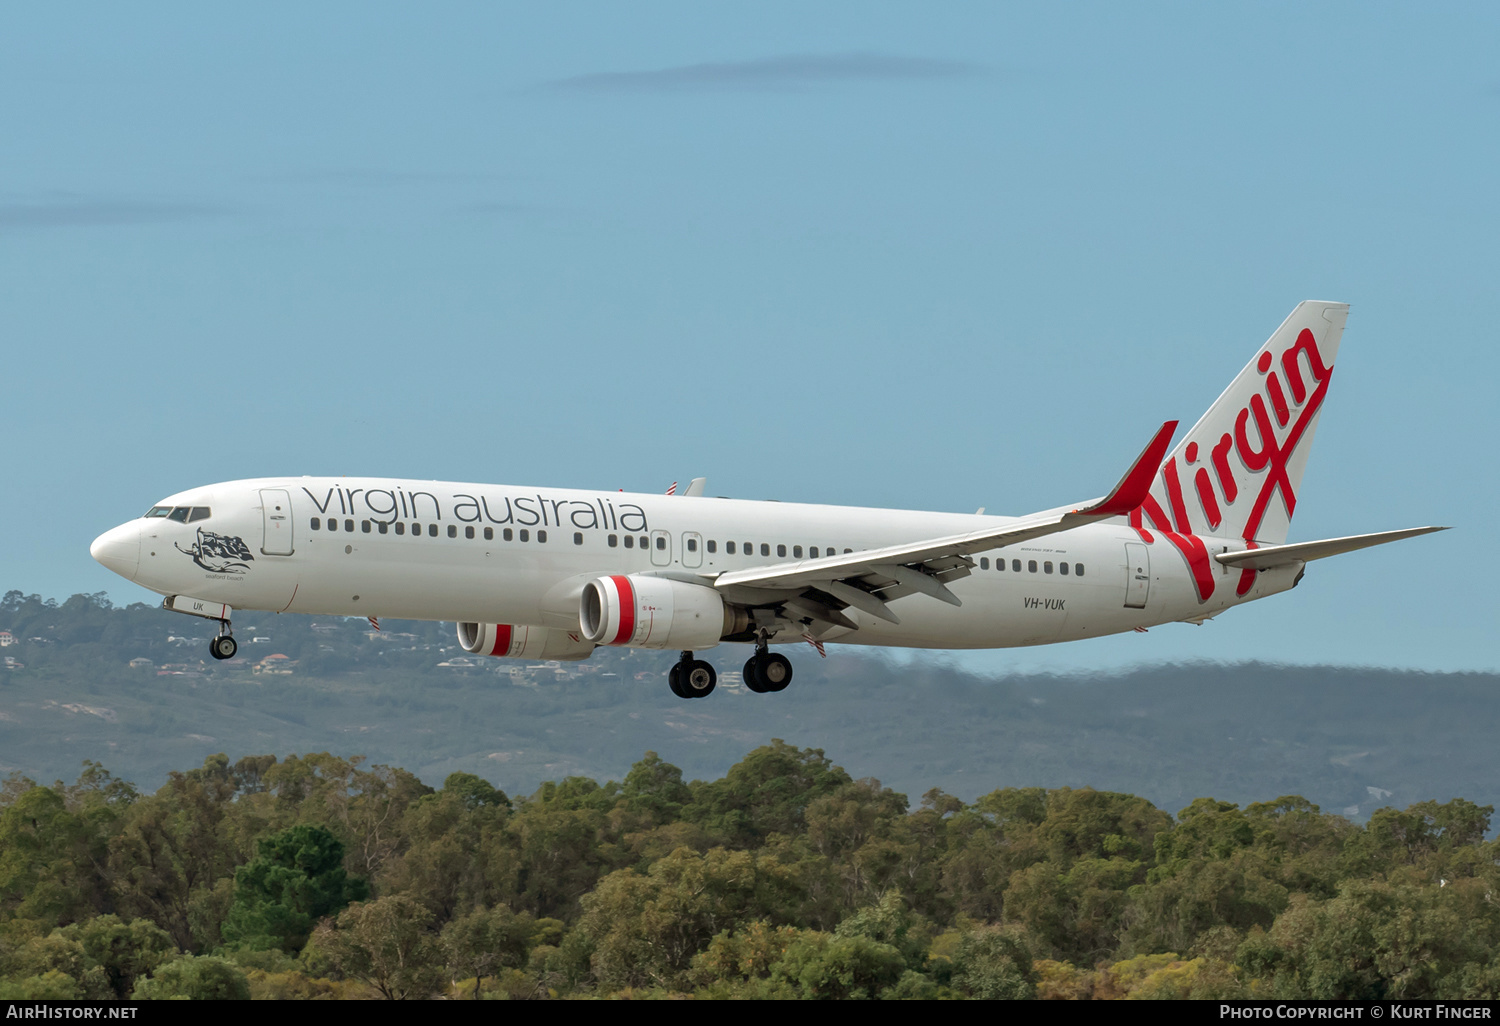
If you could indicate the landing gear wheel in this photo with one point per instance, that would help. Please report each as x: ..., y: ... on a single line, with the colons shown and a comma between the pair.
x: 767, y: 672
x: 223, y: 647
x: 752, y: 675
x: 775, y: 671
x: 697, y: 678
x: 674, y: 681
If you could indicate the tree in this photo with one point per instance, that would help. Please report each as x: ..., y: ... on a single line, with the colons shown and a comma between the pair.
x: 389, y: 944
x: 197, y: 978
x: 297, y: 878
x: 487, y: 940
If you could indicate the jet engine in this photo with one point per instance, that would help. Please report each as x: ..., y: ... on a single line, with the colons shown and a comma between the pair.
x: 521, y: 642
x: 654, y: 612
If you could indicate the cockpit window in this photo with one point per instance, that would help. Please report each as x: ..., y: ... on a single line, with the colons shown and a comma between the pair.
x: 159, y: 511
x: 180, y: 514
x: 199, y: 513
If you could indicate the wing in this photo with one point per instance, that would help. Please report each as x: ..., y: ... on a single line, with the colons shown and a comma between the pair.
x: 867, y: 580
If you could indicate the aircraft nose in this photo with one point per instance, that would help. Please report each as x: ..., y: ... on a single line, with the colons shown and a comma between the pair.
x: 119, y: 549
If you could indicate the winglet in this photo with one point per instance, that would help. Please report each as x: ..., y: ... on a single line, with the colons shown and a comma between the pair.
x: 1134, y: 486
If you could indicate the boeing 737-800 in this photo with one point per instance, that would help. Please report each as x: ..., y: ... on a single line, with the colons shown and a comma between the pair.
x: 549, y: 573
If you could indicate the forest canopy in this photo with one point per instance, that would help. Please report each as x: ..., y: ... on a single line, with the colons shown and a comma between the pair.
x: 321, y: 876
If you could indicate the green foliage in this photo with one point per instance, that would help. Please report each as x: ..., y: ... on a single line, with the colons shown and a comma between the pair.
x: 389, y: 944
x: 196, y: 978
x: 122, y: 951
x: 767, y: 792
x: 297, y: 878
x: 995, y: 964
x: 784, y: 879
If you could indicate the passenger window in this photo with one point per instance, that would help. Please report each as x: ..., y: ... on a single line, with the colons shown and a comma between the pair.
x: 630, y: 541
x: 1015, y: 566
x: 349, y: 526
x: 469, y: 531
x: 1031, y: 566
x: 489, y: 534
x: 661, y: 543
x: 416, y: 530
x: 781, y: 550
x: 645, y: 543
x: 812, y: 552
x: 847, y: 551
x: 541, y: 537
x: 180, y: 514
x: 614, y: 540
x: 796, y: 551
x: 508, y: 535
x: 525, y: 535
x: 400, y: 527
x: 316, y: 523
x: 1062, y: 568
x: 1047, y: 567
x: 692, y: 544
x: 432, y: 530
x: 384, y: 527
x: 729, y: 548
x: 452, y: 530
x: 765, y: 550
x: 1078, y: 569
x: 577, y: 537
x: 364, y: 527
x: 713, y: 547
x: 333, y: 525
x: 984, y: 562
x: 199, y: 513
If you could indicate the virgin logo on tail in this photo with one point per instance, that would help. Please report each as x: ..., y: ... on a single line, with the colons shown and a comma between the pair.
x: 1238, y: 457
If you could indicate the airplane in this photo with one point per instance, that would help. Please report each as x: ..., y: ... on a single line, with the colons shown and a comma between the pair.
x: 552, y: 573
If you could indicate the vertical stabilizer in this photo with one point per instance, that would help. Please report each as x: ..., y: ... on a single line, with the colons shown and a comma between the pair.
x: 1237, y: 472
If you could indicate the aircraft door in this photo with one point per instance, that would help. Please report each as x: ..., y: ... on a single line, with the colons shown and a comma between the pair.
x: 276, y: 512
x: 661, y: 548
x: 1137, y: 575
x: 692, y: 549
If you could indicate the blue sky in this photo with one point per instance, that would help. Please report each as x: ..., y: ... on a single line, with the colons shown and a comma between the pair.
x: 866, y: 254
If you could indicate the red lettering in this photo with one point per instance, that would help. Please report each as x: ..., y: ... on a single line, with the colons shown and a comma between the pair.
x: 1278, y: 400
x: 1305, y: 344
x: 1206, y: 497
x: 1255, y: 459
x: 1174, y: 496
x: 1222, y: 469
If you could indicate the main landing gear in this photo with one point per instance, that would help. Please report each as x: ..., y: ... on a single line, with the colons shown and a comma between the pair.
x: 223, y: 646
x: 767, y: 671
x: 691, y: 678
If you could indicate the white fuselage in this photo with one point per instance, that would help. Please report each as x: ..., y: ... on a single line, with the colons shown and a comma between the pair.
x: 449, y: 551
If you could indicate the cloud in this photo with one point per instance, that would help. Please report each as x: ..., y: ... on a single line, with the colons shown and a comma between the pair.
x: 86, y: 213
x: 793, y: 71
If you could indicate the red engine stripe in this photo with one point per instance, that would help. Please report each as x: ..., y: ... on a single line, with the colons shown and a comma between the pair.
x: 626, y: 595
x: 502, y: 640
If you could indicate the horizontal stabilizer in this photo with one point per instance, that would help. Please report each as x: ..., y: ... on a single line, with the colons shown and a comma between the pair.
x: 1281, y: 555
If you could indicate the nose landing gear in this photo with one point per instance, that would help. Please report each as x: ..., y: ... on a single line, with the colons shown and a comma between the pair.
x: 223, y: 646
x: 691, y: 678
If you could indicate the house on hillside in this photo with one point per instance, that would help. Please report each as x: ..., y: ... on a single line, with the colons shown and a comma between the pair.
x: 277, y: 665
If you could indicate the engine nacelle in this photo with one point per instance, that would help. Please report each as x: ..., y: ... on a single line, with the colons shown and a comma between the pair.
x: 521, y: 642
x: 653, y: 612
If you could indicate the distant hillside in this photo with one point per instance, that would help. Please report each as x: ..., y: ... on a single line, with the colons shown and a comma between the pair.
x: 1349, y: 739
